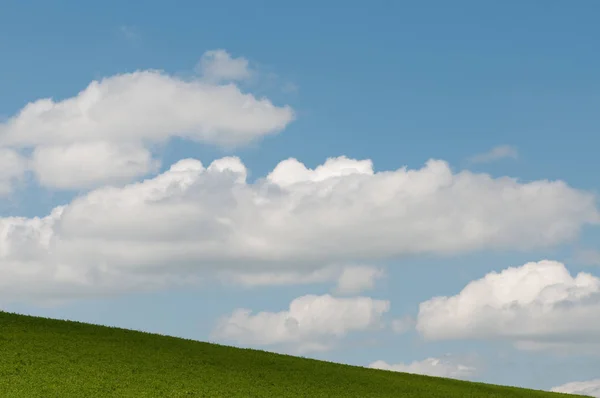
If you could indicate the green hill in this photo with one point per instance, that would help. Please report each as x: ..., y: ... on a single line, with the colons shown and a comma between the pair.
x: 48, y: 358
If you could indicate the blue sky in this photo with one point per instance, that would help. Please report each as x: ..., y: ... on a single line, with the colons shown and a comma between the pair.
x: 491, y: 89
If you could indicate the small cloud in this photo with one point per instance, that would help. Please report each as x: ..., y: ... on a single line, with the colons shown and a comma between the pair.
x: 496, y: 153
x: 289, y: 87
x: 589, y: 388
x: 217, y: 66
x: 131, y: 33
x: 446, y: 366
x: 357, y: 279
x: 311, y: 323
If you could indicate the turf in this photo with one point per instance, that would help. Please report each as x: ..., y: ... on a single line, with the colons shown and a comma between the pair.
x: 48, y: 358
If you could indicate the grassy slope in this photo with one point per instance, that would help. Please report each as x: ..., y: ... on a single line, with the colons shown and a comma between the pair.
x: 49, y: 358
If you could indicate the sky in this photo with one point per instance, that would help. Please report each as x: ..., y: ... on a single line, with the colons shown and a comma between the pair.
x: 410, y: 186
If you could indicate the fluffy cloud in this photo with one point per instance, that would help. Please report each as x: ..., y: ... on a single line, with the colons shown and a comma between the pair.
x: 34, y: 266
x: 440, y: 367
x: 538, y: 305
x: 112, y: 122
x: 192, y: 220
x: 496, y: 153
x: 12, y: 167
x: 312, y: 323
x: 357, y: 279
x: 589, y: 388
x: 218, y: 65
x: 146, y: 106
x: 84, y: 165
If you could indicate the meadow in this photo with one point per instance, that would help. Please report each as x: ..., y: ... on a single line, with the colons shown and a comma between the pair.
x: 48, y: 358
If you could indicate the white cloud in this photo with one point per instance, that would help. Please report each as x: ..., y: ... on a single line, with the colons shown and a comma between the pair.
x: 538, y: 305
x: 439, y: 367
x: 496, y: 153
x: 292, y: 172
x: 218, y: 66
x: 192, y: 220
x: 312, y: 323
x: 357, y: 279
x: 89, y: 164
x: 12, y: 168
x: 146, y: 106
x: 590, y: 388
x: 119, y: 117
x: 403, y: 325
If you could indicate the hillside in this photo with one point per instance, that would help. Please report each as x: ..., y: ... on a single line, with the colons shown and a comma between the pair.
x: 51, y: 358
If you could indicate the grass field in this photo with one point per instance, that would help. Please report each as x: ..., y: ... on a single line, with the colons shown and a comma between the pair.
x: 50, y: 358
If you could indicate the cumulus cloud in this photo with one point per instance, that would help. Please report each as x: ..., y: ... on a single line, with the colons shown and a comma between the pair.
x: 119, y: 117
x: 146, y: 106
x: 357, y: 279
x: 196, y: 220
x: 439, y: 367
x: 538, y: 305
x: 12, y: 168
x: 496, y: 153
x: 218, y: 65
x: 84, y: 165
x: 589, y: 388
x: 312, y: 323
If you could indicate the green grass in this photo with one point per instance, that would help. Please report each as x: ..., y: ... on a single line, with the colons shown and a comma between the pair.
x: 48, y: 358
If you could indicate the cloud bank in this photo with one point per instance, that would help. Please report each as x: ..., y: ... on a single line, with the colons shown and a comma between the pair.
x: 193, y: 221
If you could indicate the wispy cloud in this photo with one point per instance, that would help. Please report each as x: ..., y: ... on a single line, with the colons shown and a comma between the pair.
x: 494, y: 154
x: 403, y: 325
x: 289, y: 87
x: 130, y: 33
